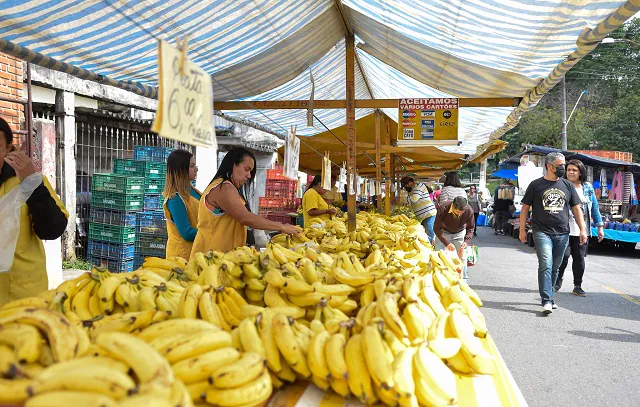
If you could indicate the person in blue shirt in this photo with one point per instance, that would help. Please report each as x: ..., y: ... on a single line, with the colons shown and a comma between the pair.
x: 181, y: 202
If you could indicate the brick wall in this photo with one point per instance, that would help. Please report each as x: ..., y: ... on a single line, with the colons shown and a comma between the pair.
x: 11, y: 85
x: 614, y: 155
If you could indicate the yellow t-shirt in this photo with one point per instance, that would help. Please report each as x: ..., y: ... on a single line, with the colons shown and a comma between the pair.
x: 313, y: 200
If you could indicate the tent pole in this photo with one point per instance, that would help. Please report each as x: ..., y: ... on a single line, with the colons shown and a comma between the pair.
x: 378, y: 191
x: 387, y: 164
x: 351, y: 132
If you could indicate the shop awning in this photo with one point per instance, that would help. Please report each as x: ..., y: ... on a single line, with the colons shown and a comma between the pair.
x: 507, y: 170
x: 265, y: 49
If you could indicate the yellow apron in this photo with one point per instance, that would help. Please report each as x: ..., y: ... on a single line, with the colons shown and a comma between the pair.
x: 28, y: 274
x: 176, y: 245
x: 217, y: 231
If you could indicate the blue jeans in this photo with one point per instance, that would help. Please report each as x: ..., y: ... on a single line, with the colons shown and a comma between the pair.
x: 427, y: 224
x: 550, y: 250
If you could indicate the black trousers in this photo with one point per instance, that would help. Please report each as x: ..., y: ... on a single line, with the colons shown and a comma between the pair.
x: 475, y: 219
x: 500, y: 219
x: 577, y: 252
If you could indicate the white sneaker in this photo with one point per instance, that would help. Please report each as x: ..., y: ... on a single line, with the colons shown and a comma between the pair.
x: 547, y: 308
x: 554, y: 306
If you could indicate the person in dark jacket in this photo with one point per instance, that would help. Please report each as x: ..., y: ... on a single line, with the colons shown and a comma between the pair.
x: 42, y: 217
x: 502, y: 202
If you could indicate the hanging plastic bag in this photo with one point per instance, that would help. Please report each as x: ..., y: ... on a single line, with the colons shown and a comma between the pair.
x: 10, y: 205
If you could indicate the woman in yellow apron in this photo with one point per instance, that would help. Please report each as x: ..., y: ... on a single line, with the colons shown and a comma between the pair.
x: 181, y: 201
x: 42, y: 217
x: 313, y: 204
x: 223, y: 216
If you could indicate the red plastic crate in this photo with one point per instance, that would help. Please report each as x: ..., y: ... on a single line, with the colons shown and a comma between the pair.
x: 280, y: 218
x: 275, y: 175
x: 275, y: 203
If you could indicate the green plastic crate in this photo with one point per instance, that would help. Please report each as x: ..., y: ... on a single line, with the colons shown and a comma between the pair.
x: 139, y: 168
x: 153, y: 186
x: 123, y: 184
x: 114, y: 200
x: 112, y: 233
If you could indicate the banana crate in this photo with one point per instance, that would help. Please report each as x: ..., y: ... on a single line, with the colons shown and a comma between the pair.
x: 114, y: 266
x: 114, y: 200
x: 112, y: 233
x: 123, y: 184
x: 111, y: 251
x: 148, y: 153
x: 151, y: 245
x: 112, y: 217
x: 153, y: 186
x: 138, y: 168
x: 152, y: 222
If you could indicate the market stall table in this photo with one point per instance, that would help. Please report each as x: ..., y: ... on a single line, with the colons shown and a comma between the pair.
x: 618, y: 235
x: 496, y: 390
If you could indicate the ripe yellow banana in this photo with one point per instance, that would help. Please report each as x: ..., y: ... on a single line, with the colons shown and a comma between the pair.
x: 70, y: 398
x: 188, y: 306
x: 474, y: 353
x: 250, y: 338
x: 210, y: 275
x: 288, y: 345
x: 334, y: 354
x: 307, y: 299
x: 147, y: 299
x: 183, y: 346
x: 89, y: 378
x: 316, y: 355
x: 359, y: 379
x: 377, y: 359
x: 252, y: 393
x: 176, y: 326
x: 434, y: 382
x: 202, y: 366
x: 416, y: 321
x: 244, y: 370
x: 146, y: 399
x: 340, y: 386
x: 269, y: 341
x: 389, y: 311
x: 26, y: 341
x: 148, y: 365
x: 57, y: 329
x: 353, y: 280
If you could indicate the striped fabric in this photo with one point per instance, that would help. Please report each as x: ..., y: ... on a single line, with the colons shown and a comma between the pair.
x: 421, y: 204
x: 263, y: 49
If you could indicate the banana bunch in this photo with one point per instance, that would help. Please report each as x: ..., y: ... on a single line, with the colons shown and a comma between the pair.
x: 212, y: 368
x: 30, y: 339
x: 128, y: 372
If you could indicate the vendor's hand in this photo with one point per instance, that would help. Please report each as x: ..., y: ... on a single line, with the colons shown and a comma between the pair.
x: 523, y: 235
x: 600, y: 233
x: 291, y: 229
x: 22, y: 164
x: 463, y: 246
x: 451, y: 247
x: 332, y: 211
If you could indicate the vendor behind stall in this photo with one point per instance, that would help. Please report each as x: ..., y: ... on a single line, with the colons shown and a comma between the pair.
x: 223, y: 215
x: 42, y: 217
x: 313, y: 204
x: 181, y: 202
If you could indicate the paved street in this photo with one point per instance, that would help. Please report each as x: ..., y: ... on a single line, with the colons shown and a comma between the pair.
x: 587, y: 352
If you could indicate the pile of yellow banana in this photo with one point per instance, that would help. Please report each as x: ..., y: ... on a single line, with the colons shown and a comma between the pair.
x: 378, y: 315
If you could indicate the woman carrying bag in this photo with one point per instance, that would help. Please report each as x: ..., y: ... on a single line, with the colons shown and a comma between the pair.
x: 181, y: 202
x: 223, y: 216
x: 577, y: 174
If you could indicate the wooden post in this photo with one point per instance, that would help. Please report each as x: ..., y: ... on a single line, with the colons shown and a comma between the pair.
x: 351, y: 132
x: 378, y: 192
x: 387, y: 164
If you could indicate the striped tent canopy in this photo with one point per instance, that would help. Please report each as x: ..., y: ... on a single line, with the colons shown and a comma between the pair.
x: 266, y: 49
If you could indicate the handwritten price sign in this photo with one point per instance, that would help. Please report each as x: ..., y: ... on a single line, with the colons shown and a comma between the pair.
x: 185, y: 100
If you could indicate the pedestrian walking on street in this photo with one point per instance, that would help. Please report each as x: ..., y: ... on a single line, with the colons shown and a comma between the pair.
x: 454, y: 227
x: 551, y: 197
x: 476, y: 205
x: 577, y: 174
x: 502, y: 204
x: 421, y: 204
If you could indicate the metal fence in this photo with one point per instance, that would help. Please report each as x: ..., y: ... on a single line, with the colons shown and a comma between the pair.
x: 101, y: 137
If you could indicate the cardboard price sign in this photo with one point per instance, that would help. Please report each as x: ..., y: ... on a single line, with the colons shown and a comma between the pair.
x: 291, y: 155
x: 427, y: 119
x: 185, y: 100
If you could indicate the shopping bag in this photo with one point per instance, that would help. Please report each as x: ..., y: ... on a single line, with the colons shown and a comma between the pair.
x: 470, y: 254
x: 10, y: 205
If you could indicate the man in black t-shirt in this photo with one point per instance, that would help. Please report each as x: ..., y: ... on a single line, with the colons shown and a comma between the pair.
x: 550, y: 197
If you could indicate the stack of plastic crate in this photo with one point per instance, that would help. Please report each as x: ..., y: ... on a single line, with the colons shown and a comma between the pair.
x: 151, y: 239
x: 115, y: 200
x: 280, y: 197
